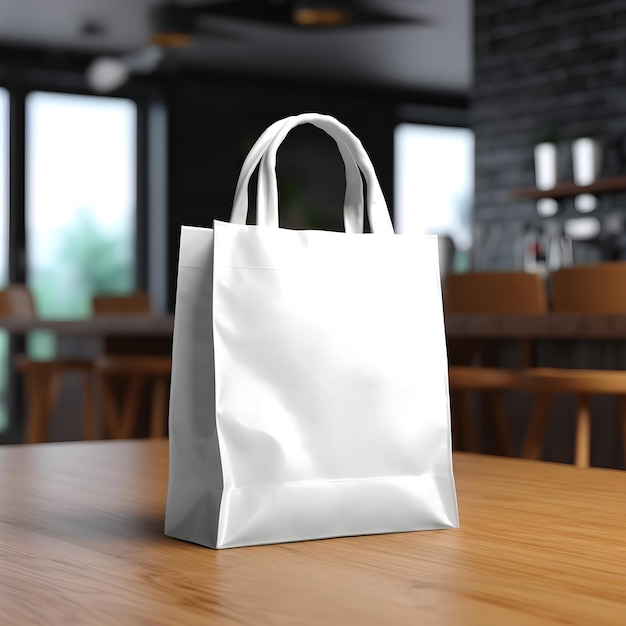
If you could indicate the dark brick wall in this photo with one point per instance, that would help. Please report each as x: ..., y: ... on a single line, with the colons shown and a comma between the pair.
x: 544, y: 69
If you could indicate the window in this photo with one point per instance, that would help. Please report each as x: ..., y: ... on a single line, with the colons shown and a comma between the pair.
x: 80, y: 203
x: 434, y: 184
x: 76, y: 231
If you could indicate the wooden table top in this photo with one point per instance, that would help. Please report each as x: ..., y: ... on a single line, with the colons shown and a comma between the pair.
x: 97, y: 326
x: 551, y: 326
x: 81, y: 541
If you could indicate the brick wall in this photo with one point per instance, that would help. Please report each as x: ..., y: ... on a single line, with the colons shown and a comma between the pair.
x: 544, y: 69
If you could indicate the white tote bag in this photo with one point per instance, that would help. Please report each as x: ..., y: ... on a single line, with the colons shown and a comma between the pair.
x: 309, y: 392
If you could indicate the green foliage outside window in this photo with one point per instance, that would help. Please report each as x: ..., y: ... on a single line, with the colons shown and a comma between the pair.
x: 87, y: 261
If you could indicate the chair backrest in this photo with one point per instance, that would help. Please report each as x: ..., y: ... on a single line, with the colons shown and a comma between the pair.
x: 134, y: 303
x: 599, y: 288
x: 495, y: 292
x: 17, y: 301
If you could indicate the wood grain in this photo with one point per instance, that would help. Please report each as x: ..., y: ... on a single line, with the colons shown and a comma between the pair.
x: 81, y: 542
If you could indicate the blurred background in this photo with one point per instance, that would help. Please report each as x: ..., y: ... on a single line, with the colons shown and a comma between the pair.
x: 121, y: 120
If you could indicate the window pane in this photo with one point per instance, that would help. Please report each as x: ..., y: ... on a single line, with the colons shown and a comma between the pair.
x: 4, y: 244
x: 434, y: 183
x: 80, y: 203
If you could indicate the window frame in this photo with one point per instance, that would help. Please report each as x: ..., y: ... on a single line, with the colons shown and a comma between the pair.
x: 19, y: 85
x: 445, y: 116
x: 17, y: 179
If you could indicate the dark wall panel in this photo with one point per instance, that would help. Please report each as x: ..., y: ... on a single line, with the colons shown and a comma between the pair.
x: 214, y: 123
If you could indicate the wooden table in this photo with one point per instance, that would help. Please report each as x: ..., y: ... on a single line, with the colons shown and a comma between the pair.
x: 551, y: 326
x: 84, y: 339
x: 558, y: 340
x: 81, y: 542
x: 97, y: 326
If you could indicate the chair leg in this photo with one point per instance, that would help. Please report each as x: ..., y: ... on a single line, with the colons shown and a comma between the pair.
x: 89, y: 403
x: 466, y: 421
x: 159, y: 407
x: 531, y: 449
x: 621, y: 400
x: 499, y: 421
x: 41, y: 392
x: 111, y: 421
x: 583, y: 432
x: 35, y: 407
x: 455, y: 419
x: 120, y: 422
x: 131, y: 406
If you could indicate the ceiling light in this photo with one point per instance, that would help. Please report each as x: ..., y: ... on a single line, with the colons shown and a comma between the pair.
x: 107, y: 74
x: 171, y: 25
x: 320, y: 17
x: 320, y: 13
x: 171, y: 40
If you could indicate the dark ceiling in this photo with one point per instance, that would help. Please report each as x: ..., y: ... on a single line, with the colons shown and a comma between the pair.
x: 421, y: 45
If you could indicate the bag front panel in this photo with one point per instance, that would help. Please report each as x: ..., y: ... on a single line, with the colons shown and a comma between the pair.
x: 331, y: 384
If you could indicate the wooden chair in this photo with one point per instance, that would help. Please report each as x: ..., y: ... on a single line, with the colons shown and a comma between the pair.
x: 132, y: 372
x: 497, y: 293
x: 128, y: 304
x: 599, y: 289
x: 42, y: 378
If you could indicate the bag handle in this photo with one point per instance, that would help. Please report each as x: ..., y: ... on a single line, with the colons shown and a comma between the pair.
x: 377, y: 210
x: 353, y: 202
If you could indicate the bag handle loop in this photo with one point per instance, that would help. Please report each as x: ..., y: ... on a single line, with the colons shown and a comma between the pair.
x: 377, y: 210
x: 353, y: 202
